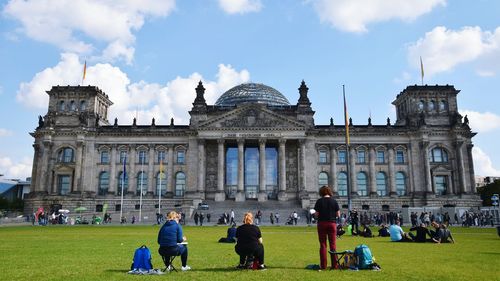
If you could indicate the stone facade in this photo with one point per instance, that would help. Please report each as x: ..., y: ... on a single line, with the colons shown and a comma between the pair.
x: 251, y: 151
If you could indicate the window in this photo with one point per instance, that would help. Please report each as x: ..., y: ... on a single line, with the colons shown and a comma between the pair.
x: 72, y: 105
x: 322, y: 179
x: 432, y: 105
x: 83, y: 105
x: 142, y: 183
x: 438, y: 155
x: 123, y: 157
x: 161, y: 156
x: 400, y: 183
x: 342, y: 183
x: 361, y: 182
x: 400, y: 156
x: 143, y: 156
x: 61, y: 106
x: 103, y: 183
x: 63, y: 184
x: 104, y: 157
x: 323, y: 159
x: 180, y: 184
x: 161, y: 183
x: 440, y: 185
x: 181, y: 154
x: 421, y: 105
x: 380, y: 156
x: 66, y: 155
x: 442, y: 105
x: 361, y: 156
x: 381, y: 184
x: 342, y: 156
x: 122, y: 183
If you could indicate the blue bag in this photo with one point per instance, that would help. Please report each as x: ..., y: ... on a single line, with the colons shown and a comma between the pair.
x: 142, y: 259
x: 364, y: 256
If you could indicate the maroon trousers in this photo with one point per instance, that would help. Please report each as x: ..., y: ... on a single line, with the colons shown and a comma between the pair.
x: 326, y: 230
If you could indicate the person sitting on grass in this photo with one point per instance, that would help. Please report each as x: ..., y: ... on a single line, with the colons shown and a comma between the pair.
x: 366, y: 231
x: 443, y: 235
x: 340, y: 230
x: 422, y: 233
x: 231, y: 234
x: 170, y: 238
x: 397, y: 233
x: 249, y: 244
x: 383, y: 231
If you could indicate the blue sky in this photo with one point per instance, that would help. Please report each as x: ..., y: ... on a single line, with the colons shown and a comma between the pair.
x: 149, y: 55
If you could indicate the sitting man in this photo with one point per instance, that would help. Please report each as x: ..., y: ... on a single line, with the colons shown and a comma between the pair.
x: 170, y: 238
x: 231, y: 235
x: 366, y: 231
x: 340, y: 230
x: 397, y: 233
x: 422, y: 233
x: 249, y: 244
x: 443, y: 235
x: 383, y: 231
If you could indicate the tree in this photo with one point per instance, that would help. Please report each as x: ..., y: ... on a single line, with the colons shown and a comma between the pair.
x: 488, y: 190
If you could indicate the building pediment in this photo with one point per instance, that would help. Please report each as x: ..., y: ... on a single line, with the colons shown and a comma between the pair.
x: 252, y: 117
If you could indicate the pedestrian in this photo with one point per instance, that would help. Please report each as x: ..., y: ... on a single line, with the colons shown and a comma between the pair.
x: 232, y: 217
x: 327, y: 211
x: 271, y: 218
x: 208, y: 217
x: 196, y: 217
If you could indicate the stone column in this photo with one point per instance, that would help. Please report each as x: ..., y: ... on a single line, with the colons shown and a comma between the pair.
x: 151, y: 166
x: 472, y: 180
x: 392, y: 176
x: 170, y: 172
x: 352, y: 171
x: 46, y: 174
x: 262, y: 170
x: 220, y: 195
x: 303, y: 166
x: 461, y: 167
x: 282, y: 170
x: 35, y: 171
x: 132, y: 175
x: 240, y: 195
x: 372, y: 172
x: 112, y: 174
x: 201, y: 168
x: 333, y: 169
x: 427, y: 168
x: 77, y: 182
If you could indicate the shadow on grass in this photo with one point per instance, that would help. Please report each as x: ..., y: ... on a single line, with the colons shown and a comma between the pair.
x: 490, y: 253
x: 226, y: 269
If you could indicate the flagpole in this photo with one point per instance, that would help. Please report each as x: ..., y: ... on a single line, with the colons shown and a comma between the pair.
x: 123, y: 182
x: 159, y: 187
x: 140, y: 198
x: 422, y: 70
x: 349, y: 203
x: 84, y: 71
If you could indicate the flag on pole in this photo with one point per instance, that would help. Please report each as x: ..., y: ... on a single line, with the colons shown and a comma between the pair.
x: 84, y: 71
x: 422, y: 70
x: 346, y: 117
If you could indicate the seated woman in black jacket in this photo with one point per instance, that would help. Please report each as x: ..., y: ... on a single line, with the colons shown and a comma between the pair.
x: 249, y: 243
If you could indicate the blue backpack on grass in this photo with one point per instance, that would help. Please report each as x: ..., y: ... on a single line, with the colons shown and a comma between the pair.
x: 142, y: 259
x: 364, y: 256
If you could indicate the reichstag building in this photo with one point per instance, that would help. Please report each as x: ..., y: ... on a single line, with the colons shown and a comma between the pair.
x: 252, y: 144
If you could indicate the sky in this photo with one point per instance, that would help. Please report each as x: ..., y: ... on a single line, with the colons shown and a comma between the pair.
x: 148, y: 56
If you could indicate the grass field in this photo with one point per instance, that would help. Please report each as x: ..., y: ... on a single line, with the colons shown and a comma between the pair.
x: 105, y: 253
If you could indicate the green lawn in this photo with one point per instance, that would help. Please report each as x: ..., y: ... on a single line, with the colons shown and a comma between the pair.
x: 105, y: 253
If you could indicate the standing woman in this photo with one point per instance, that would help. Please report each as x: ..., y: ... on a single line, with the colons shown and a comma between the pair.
x: 327, y: 212
x: 249, y: 243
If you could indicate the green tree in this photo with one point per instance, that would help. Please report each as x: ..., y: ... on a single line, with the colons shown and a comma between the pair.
x: 488, y: 190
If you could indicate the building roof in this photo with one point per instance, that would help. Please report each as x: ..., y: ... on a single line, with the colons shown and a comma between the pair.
x: 252, y: 93
x: 6, y: 185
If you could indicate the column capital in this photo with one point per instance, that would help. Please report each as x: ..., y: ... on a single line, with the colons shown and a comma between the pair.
x: 201, y: 141
x: 221, y: 141
x: 240, y: 141
x: 262, y: 141
x: 282, y: 141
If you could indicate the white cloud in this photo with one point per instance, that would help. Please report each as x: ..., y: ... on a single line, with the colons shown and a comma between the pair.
x: 15, y: 169
x: 148, y: 100
x: 355, y: 15
x: 482, y: 163
x: 482, y: 122
x: 73, y: 24
x: 240, y: 6
x: 443, y: 49
x: 5, y: 133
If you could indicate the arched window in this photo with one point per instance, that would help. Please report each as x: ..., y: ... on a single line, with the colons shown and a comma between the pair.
x: 361, y: 182
x: 381, y: 184
x: 83, y: 105
x: 66, y: 155
x: 142, y: 183
x: 400, y: 183
x: 421, y: 105
x: 322, y: 179
x: 180, y: 184
x: 161, y: 183
x: 342, y: 183
x: 72, y: 105
x: 432, y: 105
x: 438, y: 155
x: 442, y: 105
x: 122, y: 182
x: 103, y: 183
x: 61, y: 106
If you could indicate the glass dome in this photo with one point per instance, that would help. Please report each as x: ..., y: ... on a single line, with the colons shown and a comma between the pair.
x: 252, y: 93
